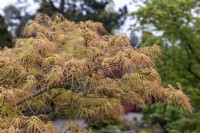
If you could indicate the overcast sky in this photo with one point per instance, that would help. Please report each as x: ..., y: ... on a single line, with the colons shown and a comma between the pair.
x: 117, y: 5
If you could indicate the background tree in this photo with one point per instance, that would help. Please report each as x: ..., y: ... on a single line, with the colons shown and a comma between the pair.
x: 16, y: 16
x: 176, y: 21
x: 65, y: 67
x: 82, y: 10
x: 177, y: 26
x: 5, y: 37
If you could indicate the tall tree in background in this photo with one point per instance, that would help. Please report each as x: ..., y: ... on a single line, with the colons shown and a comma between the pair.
x: 5, y: 36
x: 82, y: 10
x: 178, y: 25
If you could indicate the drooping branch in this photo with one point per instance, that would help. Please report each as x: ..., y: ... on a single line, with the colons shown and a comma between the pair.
x: 43, y: 90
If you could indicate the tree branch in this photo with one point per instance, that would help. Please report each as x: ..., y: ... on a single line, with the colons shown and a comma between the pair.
x: 33, y: 95
x: 53, y: 6
x: 62, y: 6
x: 192, y: 72
x: 194, y: 52
x: 43, y: 90
x: 189, y: 68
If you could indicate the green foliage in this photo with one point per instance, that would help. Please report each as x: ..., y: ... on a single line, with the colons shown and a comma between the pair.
x: 171, y: 119
x: 178, y: 24
x: 110, y: 127
x: 65, y: 67
x: 163, y: 115
x: 180, y: 30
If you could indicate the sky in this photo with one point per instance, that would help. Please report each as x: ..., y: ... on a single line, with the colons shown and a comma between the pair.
x: 117, y: 5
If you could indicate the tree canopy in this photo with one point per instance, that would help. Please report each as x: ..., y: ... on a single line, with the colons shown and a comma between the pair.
x: 176, y: 24
x: 77, y: 69
x: 179, y: 26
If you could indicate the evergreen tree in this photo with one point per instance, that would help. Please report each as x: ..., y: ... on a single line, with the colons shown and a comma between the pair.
x: 5, y: 36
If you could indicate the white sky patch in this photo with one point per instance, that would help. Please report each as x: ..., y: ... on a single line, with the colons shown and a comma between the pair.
x: 120, y: 3
x: 4, y: 3
x: 34, y: 6
x: 31, y: 9
x: 129, y: 21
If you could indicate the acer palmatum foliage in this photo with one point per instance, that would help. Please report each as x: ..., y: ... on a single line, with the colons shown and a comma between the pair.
x: 77, y: 69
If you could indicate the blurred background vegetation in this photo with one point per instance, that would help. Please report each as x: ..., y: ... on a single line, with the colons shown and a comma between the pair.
x: 172, y: 24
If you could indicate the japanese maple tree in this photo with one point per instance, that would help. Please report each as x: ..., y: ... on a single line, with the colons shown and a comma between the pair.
x: 80, y: 70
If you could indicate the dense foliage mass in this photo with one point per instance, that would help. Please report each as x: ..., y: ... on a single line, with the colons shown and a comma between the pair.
x: 77, y: 69
x: 176, y: 24
x: 179, y: 27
